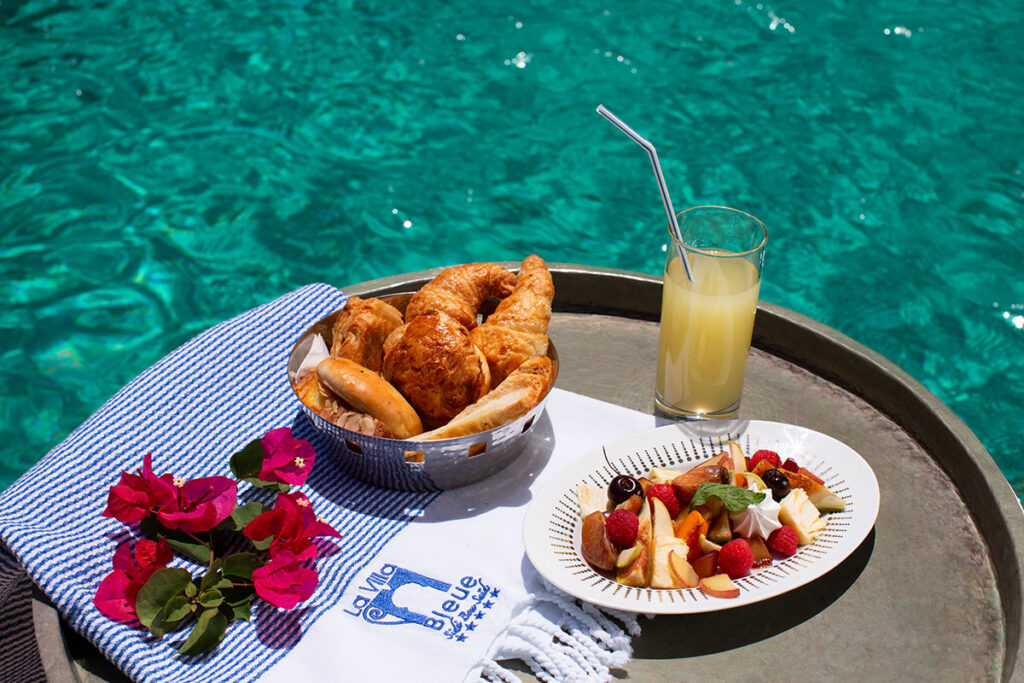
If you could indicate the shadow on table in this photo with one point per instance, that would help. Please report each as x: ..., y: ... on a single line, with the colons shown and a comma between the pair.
x: 508, y: 487
x: 712, y: 632
x: 87, y: 657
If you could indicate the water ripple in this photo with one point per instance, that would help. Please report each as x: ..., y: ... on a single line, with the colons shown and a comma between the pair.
x: 171, y: 164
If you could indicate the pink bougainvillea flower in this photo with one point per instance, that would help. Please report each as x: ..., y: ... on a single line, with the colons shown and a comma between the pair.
x: 283, y: 582
x: 137, y: 495
x: 286, y: 460
x: 292, y: 523
x: 200, y: 505
x: 115, y: 597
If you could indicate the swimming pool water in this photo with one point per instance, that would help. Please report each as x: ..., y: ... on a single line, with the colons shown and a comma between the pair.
x: 166, y: 165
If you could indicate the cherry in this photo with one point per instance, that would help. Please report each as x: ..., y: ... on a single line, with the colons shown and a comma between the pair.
x: 622, y: 487
x: 778, y: 482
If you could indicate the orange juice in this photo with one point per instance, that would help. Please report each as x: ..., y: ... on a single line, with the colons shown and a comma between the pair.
x: 706, y: 326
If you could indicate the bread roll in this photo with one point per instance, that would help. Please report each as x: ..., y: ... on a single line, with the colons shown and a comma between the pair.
x: 367, y: 392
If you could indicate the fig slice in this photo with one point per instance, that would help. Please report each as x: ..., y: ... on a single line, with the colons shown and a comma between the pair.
x: 597, y: 548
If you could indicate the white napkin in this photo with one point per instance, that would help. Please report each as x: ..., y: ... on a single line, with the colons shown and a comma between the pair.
x: 469, y: 593
x: 214, y: 394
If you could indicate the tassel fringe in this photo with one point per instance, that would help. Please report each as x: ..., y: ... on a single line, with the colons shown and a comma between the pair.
x: 583, y: 643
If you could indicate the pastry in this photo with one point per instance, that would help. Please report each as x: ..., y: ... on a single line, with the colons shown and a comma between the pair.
x: 517, y: 330
x: 327, y: 405
x: 360, y: 330
x: 459, y: 291
x: 367, y: 392
x: 516, y: 396
x: 436, y: 367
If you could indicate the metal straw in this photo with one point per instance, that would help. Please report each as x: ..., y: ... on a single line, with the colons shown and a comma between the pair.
x: 673, y: 224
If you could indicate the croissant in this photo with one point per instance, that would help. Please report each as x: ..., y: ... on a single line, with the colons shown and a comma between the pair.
x: 432, y: 362
x: 360, y: 330
x: 517, y: 330
x: 516, y: 396
x: 459, y: 291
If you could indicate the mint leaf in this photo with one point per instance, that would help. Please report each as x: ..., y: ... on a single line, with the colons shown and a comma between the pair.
x: 734, y: 498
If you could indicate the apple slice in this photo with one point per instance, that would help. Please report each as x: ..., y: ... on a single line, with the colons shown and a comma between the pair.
x: 661, y: 521
x: 664, y: 542
x: 720, y: 586
x: 662, y: 575
x: 627, y: 556
x: 707, y: 546
x: 682, y: 571
x: 823, y: 499
x: 739, y: 462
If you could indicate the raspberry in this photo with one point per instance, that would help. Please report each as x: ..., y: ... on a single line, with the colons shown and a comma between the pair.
x: 622, y: 526
x: 667, y: 496
x: 735, y: 558
x: 771, y: 456
x: 783, y: 541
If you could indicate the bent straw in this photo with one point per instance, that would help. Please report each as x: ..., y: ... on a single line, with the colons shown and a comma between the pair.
x: 659, y: 176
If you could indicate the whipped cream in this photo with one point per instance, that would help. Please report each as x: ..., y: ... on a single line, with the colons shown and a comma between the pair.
x: 757, y: 520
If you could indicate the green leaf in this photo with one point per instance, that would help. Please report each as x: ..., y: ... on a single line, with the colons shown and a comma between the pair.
x: 210, y: 598
x: 163, y: 585
x: 249, y: 461
x: 242, y: 515
x: 212, y: 576
x: 272, y: 485
x: 734, y: 498
x: 176, y: 609
x: 151, y: 528
x: 240, y: 609
x: 191, y: 590
x: 179, y: 541
x: 264, y: 544
x: 237, y: 602
x: 191, y: 549
x: 208, y: 631
x: 242, y: 565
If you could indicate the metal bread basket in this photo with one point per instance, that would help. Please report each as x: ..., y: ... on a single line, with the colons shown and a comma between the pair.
x: 417, y: 465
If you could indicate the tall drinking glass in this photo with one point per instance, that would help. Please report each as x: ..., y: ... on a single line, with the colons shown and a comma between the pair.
x: 707, y: 322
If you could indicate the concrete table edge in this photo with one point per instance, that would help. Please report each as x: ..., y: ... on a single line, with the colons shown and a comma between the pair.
x: 809, y: 344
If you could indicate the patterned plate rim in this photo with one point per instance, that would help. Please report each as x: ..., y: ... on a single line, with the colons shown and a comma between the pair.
x: 551, y: 526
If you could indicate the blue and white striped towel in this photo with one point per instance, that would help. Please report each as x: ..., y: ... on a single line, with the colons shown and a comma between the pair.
x: 433, y: 586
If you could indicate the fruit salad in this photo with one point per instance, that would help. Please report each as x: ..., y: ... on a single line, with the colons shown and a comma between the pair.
x: 704, y: 527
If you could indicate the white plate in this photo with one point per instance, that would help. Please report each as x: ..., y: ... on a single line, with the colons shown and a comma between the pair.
x: 551, y: 528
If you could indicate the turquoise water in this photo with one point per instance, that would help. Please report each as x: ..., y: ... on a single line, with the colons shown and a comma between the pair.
x: 165, y: 165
